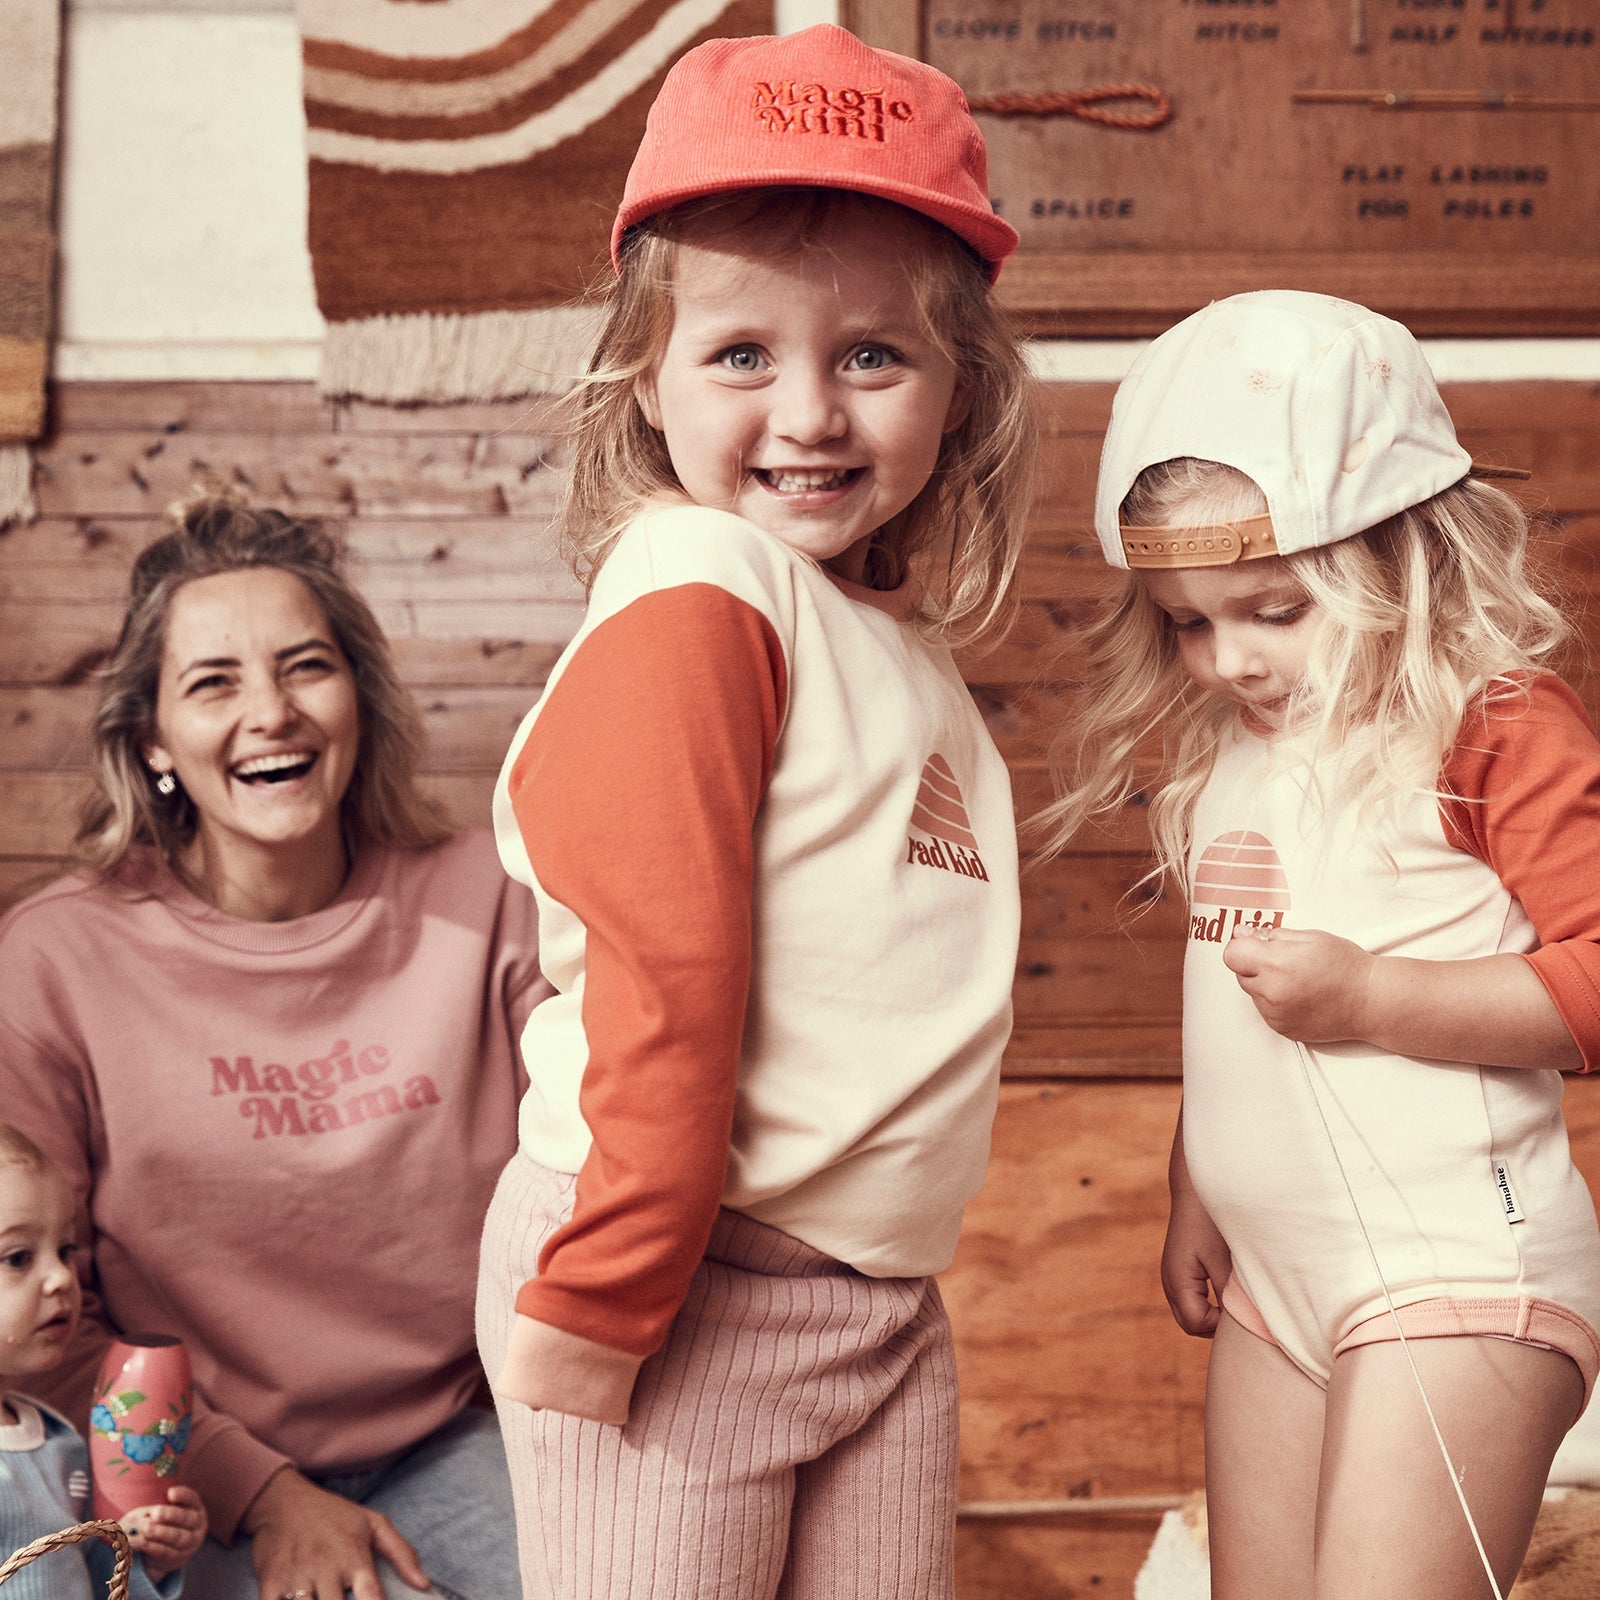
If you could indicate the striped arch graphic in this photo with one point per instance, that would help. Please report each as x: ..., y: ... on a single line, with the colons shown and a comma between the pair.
x: 1241, y: 869
x: 939, y: 808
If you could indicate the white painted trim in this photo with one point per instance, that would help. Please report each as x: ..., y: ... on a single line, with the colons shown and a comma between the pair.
x: 1452, y: 360
x: 220, y: 361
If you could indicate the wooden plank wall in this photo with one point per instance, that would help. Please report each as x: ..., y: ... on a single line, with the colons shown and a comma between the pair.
x: 1076, y: 1384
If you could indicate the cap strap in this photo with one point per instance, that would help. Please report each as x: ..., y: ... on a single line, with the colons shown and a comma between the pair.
x: 1217, y: 544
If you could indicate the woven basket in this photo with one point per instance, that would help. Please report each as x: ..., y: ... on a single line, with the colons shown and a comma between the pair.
x: 117, y: 1589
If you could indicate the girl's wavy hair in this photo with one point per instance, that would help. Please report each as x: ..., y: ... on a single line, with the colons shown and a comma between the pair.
x: 214, y: 532
x: 1416, y: 618
x: 962, y: 535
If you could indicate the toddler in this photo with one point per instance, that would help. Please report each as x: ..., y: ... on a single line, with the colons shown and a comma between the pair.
x: 44, y: 1465
x: 1385, y: 810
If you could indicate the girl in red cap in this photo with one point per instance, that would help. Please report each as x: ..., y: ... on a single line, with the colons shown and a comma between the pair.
x: 772, y: 845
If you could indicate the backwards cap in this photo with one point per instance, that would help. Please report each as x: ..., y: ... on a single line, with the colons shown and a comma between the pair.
x: 1330, y: 408
x: 815, y: 109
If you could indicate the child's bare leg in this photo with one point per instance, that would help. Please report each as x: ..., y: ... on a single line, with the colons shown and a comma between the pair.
x: 1389, y: 1526
x: 1263, y: 1443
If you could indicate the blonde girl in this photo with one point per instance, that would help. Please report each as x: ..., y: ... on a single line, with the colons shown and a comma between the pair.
x: 773, y: 850
x: 1384, y: 810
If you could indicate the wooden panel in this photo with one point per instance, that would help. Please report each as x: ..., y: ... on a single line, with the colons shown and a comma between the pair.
x: 132, y: 474
x: 1058, y: 1558
x: 178, y: 407
x: 1075, y: 1379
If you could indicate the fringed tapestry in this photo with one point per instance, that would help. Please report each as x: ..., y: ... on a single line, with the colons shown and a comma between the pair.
x: 466, y: 159
x: 30, y: 53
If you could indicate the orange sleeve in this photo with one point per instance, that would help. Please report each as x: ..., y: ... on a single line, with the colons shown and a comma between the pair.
x: 1525, y: 777
x: 636, y: 796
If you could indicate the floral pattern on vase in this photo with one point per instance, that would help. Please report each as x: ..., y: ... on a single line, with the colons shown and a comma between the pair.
x: 139, y: 1422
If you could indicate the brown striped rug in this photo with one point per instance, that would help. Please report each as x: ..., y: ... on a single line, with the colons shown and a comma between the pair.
x: 30, y: 52
x: 466, y: 159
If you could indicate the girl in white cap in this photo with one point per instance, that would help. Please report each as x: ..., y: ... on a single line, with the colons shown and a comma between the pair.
x: 1385, y: 811
x: 773, y: 851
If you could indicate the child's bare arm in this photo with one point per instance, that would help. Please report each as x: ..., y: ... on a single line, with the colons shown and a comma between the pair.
x: 1319, y: 988
x: 167, y: 1535
x: 1195, y: 1254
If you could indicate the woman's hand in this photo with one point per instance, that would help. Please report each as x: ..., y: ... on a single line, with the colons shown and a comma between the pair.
x: 1307, y: 985
x: 308, y: 1542
x: 1195, y: 1255
x: 167, y: 1535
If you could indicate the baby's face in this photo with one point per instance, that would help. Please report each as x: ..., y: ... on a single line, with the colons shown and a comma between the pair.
x: 39, y: 1292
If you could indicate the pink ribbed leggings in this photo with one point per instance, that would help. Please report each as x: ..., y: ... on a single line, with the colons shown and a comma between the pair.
x: 794, y: 1439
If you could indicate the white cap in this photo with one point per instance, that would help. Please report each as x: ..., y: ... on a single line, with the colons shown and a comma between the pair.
x: 1329, y: 408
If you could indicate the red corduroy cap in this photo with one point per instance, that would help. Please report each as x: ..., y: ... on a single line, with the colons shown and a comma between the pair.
x: 815, y: 109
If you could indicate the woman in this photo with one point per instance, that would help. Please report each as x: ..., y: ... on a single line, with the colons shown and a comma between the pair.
x: 269, y: 1033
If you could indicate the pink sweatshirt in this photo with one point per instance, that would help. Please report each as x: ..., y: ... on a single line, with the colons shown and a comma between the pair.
x: 284, y: 1137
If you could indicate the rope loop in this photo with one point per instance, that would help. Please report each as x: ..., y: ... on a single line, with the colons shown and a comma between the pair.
x: 1085, y: 104
x: 111, y: 1532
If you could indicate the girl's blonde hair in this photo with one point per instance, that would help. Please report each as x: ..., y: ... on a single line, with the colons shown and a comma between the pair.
x: 18, y: 1150
x: 961, y: 536
x: 211, y: 533
x: 1415, y: 618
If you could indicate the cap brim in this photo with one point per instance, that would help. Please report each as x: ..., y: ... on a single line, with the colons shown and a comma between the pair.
x: 991, y: 237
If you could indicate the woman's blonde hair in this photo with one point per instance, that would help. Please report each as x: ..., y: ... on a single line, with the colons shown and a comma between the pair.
x: 1415, y: 618
x: 212, y: 533
x: 961, y: 536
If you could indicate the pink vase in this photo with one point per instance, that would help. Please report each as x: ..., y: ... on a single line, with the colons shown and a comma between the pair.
x: 139, y: 1422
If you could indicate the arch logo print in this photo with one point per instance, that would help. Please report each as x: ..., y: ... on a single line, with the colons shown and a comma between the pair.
x: 941, y: 814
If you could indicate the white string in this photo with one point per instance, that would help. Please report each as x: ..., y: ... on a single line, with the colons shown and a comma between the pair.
x: 1455, y: 1481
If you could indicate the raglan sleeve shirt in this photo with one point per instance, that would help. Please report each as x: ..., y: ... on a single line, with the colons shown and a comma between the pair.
x: 636, y: 794
x: 1524, y: 782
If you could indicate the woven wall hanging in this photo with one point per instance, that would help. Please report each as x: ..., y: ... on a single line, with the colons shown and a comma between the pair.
x: 466, y: 159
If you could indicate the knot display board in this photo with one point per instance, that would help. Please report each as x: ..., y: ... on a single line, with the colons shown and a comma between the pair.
x: 1436, y: 159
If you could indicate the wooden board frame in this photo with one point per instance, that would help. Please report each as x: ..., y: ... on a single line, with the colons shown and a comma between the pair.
x: 1112, y: 293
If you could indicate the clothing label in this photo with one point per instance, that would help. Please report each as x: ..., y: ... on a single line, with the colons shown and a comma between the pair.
x: 1508, y: 1195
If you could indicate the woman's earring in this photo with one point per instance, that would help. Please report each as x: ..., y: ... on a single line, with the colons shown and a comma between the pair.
x: 166, y: 784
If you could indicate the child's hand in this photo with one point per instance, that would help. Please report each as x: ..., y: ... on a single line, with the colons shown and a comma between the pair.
x: 1307, y: 985
x: 167, y: 1536
x: 1195, y: 1254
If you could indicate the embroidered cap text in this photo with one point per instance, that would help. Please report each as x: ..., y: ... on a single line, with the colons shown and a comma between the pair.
x: 787, y: 107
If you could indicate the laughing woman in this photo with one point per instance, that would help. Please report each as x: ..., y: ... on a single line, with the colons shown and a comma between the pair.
x: 269, y: 1031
